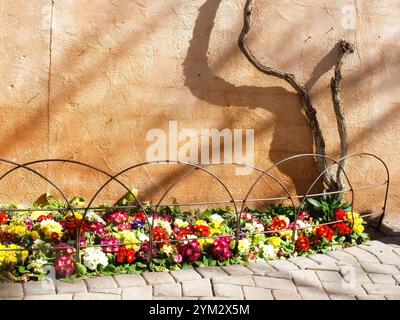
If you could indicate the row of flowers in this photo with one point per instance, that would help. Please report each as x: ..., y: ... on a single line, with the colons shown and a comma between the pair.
x: 118, y: 241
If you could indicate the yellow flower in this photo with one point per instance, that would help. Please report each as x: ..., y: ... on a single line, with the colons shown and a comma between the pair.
x: 275, y: 241
x: 201, y: 223
x: 51, y: 227
x: 35, y: 235
x: 244, y: 245
x: 12, y: 257
x: 127, y: 236
x: 358, y: 228
x: 205, y: 242
x: 216, y: 224
x: 70, y: 215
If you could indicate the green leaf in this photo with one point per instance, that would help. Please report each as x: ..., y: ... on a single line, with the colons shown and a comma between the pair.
x: 314, y: 202
x: 80, y: 269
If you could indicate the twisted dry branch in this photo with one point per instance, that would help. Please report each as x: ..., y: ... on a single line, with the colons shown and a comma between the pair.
x: 345, y: 49
x: 311, y: 113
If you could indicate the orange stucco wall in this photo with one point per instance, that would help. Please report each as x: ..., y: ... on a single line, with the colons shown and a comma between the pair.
x: 86, y: 80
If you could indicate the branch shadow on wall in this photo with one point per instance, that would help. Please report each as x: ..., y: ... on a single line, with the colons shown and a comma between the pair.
x: 284, y: 105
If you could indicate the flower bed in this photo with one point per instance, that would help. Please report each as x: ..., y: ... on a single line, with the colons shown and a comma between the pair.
x: 113, y: 241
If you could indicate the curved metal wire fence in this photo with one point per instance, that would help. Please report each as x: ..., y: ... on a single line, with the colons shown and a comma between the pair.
x: 150, y: 209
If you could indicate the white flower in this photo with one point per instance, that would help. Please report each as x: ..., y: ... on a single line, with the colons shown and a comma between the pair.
x: 268, y: 251
x: 216, y: 218
x: 41, y: 245
x: 93, y: 257
x: 142, y: 237
x: 180, y: 223
x: 258, y: 227
x: 37, y: 265
x: 94, y: 217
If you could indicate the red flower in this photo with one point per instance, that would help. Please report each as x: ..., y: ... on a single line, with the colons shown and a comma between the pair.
x: 121, y: 254
x: 3, y: 218
x: 44, y: 217
x: 54, y: 236
x: 278, y: 224
x: 302, y: 244
x: 304, y: 215
x: 140, y: 216
x: 181, y: 234
x: 342, y: 228
x: 159, y: 233
x: 341, y: 215
x: 130, y: 256
x: 324, y: 232
x: 201, y: 231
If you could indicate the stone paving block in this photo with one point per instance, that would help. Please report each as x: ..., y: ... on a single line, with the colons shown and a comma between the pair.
x: 371, y: 297
x: 175, y: 298
x: 212, y: 272
x: 341, y: 287
x: 252, y: 293
x: 384, y: 254
x: 361, y: 255
x: 260, y: 268
x: 329, y: 276
x: 217, y: 298
x: 279, y: 274
x: 397, y: 278
x: 137, y: 293
x: 110, y: 290
x: 273, y: 283
x: 382, y: 278
x: 64, y: 296
x: 306, y: 278
x: 374, y: 245
x: 303, y: 262
x: 11, y: 290
x: 245, y: 280
x: 283, y: 265
x: 70, y: 287
x: 286, y: 295
x: 312, y: 293
x: 384, y: 289
x: 185, y: 275
x: 343, y: 257
x: 101, y: 283
x: 324, y: 260
x: 197, y: 288
x: 356, y: 275
x: 167, y: 289
x: 96, y: 296
x: 341, y: 297
x: 237, y: 270
x: 129, y: 280
x: 158, y: 277
x: 12, y: 298
x: 40, y: 287
x: 227, y: 290
x: 393, y: 297
x: 379, y: 268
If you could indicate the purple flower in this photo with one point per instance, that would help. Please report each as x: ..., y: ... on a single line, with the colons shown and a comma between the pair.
x: 114, y: 245
x: 138, y: 224
x: 191, y: 252
x: 65, y: 266
x: 220, y: 249
x: 65, y: 248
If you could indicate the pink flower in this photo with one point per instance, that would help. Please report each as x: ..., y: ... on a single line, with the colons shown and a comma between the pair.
x: 65, y: 266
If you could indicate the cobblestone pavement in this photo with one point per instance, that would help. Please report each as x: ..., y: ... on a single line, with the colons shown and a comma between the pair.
x: 369, y: 271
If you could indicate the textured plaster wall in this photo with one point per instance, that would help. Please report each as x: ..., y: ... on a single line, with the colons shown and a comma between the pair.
x: 86, y: 80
